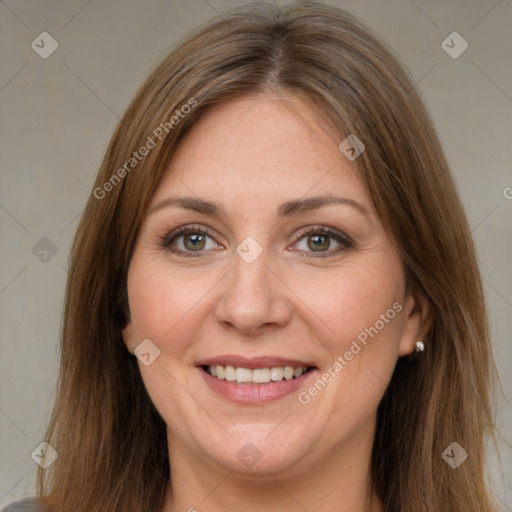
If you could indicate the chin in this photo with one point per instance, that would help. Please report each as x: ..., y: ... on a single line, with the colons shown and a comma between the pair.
x: 255, y: 454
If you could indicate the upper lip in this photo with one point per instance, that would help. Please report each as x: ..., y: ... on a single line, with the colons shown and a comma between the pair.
x: 254, y: 362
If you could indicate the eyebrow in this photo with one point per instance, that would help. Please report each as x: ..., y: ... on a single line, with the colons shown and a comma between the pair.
x: 289, y: 208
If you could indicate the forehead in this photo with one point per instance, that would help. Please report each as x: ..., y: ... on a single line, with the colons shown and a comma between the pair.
x: 258, y: 149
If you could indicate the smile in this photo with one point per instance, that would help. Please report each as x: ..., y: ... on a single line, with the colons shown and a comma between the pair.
x: 249, y: 376
x: 255, y: 381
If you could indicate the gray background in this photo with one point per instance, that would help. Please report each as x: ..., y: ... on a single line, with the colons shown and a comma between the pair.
x: 58, y: 114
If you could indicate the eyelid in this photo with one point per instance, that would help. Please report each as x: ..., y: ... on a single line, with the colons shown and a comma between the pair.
x: 344, y: 241
x: 339, y: 236
x: 169, y: 238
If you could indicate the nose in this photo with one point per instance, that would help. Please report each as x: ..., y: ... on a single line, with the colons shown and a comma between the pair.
x: 254, y: 298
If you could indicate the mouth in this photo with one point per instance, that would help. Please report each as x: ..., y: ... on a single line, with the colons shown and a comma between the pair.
x: 248, y: 376
x: 255, y: 381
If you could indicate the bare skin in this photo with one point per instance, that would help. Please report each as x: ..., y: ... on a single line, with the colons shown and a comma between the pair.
x: 304, y: 297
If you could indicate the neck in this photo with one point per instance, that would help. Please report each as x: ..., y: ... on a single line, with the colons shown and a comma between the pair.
x: 337, y: 481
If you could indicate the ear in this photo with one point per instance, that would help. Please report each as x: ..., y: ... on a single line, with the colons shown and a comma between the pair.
x: 129, y: 336
x: 418, y: 317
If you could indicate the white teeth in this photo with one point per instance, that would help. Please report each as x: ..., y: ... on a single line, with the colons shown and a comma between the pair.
x: 243, y: 375
x: 229, y: 373
x: 256, y: 376
x: 261, y: 375
x: 277, y: 373
x: 288, y: 372
x: 298, y: 372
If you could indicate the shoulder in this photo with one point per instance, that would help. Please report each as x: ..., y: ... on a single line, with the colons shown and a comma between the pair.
x: 24, y: 505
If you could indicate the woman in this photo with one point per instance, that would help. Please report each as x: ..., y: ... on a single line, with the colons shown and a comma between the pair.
x: 273, y: 300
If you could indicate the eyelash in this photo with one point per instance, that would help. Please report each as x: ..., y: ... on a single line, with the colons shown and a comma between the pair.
x: 342, y: 239
x: 345, y: 241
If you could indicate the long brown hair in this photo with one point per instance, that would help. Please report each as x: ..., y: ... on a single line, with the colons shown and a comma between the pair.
x: 110, y: 439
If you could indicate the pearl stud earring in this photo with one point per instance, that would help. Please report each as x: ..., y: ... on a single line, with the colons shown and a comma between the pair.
x: 420, y: 347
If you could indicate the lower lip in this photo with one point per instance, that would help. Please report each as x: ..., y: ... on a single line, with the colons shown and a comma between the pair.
x: 254, y: 394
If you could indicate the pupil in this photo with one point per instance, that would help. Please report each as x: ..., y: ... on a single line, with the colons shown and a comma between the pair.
x: 196, y: 241
x: 319, y: 242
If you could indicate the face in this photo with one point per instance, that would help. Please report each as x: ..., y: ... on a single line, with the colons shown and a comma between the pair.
x: 262, y: 260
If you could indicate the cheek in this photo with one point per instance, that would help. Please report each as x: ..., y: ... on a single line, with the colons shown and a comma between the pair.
x: 353, y: 299
x: 161, y: 299
x: 361, y: 310
x: 363, y: 313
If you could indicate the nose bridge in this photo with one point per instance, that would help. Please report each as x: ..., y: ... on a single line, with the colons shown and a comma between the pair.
x: 253, y: 296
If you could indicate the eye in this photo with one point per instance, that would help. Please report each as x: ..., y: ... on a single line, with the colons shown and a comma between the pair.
x: 313, y: 242
x: 188, y: 240
x: 321, y: 242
